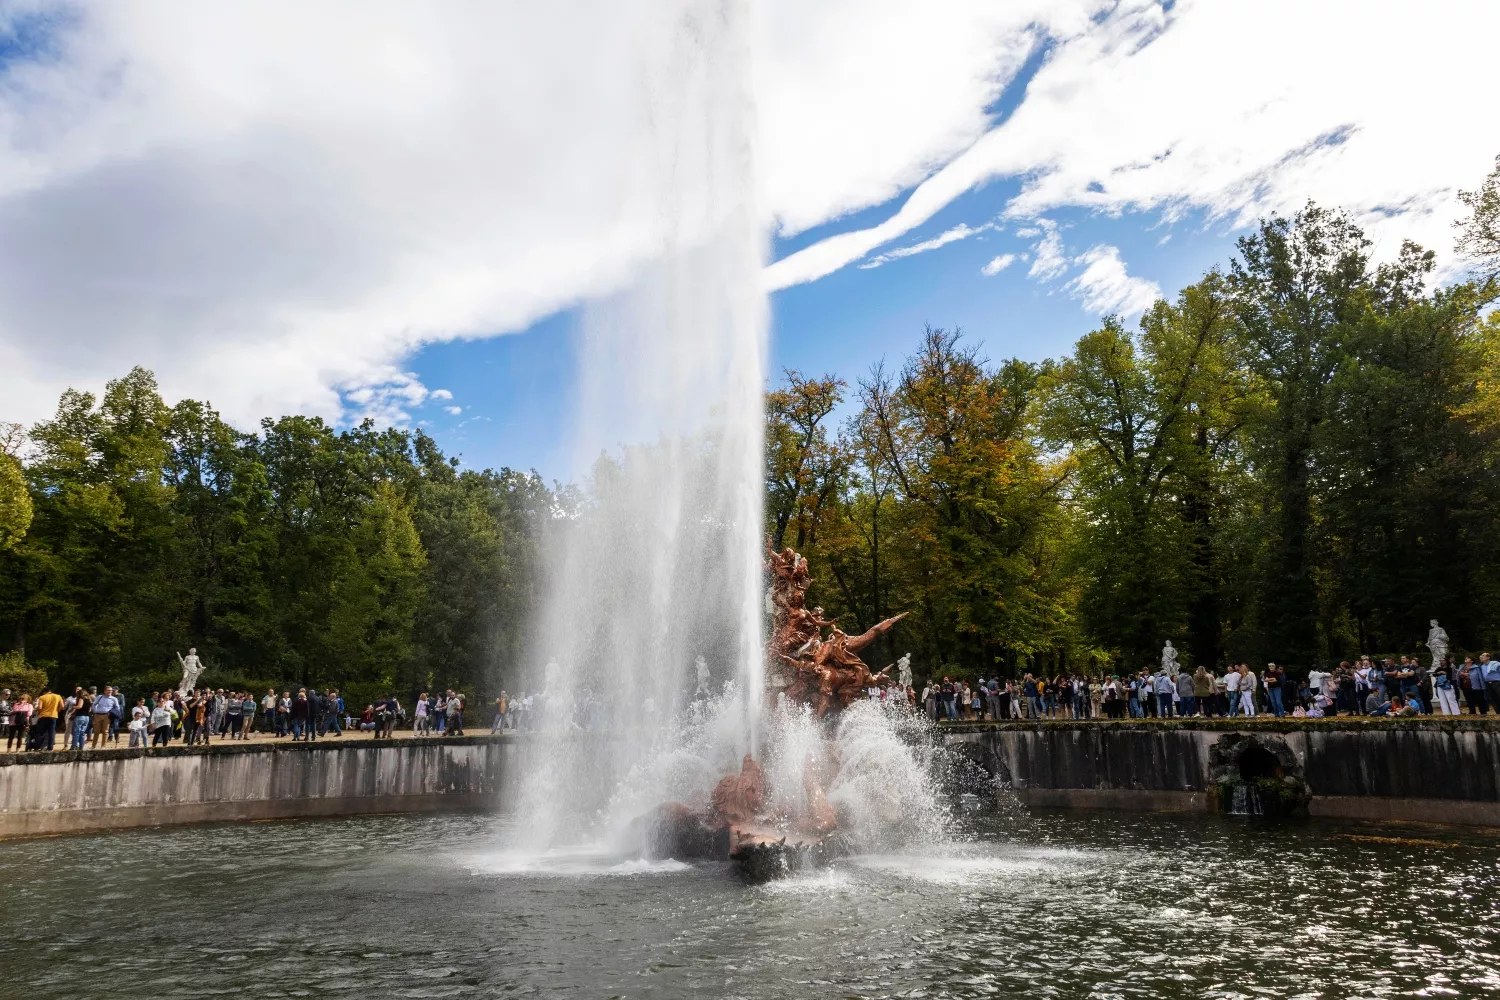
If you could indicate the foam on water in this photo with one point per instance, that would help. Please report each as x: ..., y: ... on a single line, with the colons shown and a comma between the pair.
x: 589, y: 862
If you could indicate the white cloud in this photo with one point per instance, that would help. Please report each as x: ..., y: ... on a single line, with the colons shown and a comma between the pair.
x: 997, y: 264
x: 440, y: 394
x: 1218, y: 107
x: 1049, y: 262
x: 1105, y: 287
x: 273, y: 204
x: 453, y: 410
x: 958, y: 232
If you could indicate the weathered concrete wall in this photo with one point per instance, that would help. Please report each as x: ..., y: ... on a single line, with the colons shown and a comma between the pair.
x: 69, y: 792
x: 1425, y: 770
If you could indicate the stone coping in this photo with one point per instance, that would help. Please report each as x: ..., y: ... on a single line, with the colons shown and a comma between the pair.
x: 1342, y: 723
x: 234, y: 747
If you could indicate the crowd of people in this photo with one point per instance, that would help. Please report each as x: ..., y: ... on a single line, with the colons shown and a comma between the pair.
x: 90, y: 719
x: 1404, y: 686
x: 1392, y: 686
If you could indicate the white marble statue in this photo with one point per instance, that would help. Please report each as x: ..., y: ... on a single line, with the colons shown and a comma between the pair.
x: 191, y: 668
x: 903, y: 670
x: 1437, y: 641
x: 1169, y: 659
x: 701, y: 665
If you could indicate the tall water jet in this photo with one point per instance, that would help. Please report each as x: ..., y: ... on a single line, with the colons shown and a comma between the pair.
x: 660, y: 564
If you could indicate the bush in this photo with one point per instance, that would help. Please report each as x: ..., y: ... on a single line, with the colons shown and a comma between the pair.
x: 20, y: 677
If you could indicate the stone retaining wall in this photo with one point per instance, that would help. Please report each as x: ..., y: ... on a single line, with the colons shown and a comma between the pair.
x: 77, y: 791
x: 1425, y: 770
x: 1444, y: 771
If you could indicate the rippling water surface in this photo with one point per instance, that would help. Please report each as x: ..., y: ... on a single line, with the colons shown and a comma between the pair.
x: 1046, y: 906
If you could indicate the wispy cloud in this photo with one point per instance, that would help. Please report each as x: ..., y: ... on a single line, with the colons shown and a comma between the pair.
x: 1049, y: 261
x: 388, y: 399
x: 958, y: 232
x: 997, y: 264
x: 1117, y: 121
x: 1106, y: 287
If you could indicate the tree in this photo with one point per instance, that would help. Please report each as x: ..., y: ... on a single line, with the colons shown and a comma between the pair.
x: 1479, y: 234
x: 1299, y: 286
x: 1405, y: 528
x: 803, y: 468
x: 972, y: 501
x: 1153, y: 424
x: 298, y: 554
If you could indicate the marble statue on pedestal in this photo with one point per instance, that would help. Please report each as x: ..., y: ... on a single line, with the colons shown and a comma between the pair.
x: 1437, y: 641
x: 1169, y: 659
x: 191, y: 668
x: 903, y: 670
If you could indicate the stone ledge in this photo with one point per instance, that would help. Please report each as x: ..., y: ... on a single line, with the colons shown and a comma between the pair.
x: 1363, y: 724
x: 237, y: 747
x: 57, y: 822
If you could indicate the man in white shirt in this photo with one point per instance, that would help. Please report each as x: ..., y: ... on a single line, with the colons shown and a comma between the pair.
x: 1316, y: 679
x: 1232, y: 690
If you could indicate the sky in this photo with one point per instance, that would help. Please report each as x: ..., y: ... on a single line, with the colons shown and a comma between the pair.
x: 401, y: 211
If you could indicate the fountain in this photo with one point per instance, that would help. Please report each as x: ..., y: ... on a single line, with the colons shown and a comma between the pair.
x: 671, y: 724
x: 809, y: 673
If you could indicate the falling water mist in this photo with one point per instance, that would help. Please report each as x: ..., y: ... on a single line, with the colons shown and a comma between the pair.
x: 661, y: 565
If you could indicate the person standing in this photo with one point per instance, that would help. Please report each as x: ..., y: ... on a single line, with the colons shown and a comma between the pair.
x: 1361, y: 683
x: 20, y: 722
x: 1490, y: 670
x: 315, y: 709
x: 268, y: 711
x: 1232, y: 691
x: 1445, y: 687
x: 233, y: 712
x: 48, y: 709
x: 1473, y: 677
x: 1247, y: 691
x: 1166, y: 687
x: 83, y: 705
x: 201, y: 712
x: 139, y: 720
x: 161, y: 723
x: 455, y: 714
x: 1187, y: 693
x: 1378, y: 680
x: 333, y: 711
x: 1275, y: 681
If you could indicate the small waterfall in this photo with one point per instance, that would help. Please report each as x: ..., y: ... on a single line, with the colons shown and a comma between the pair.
x: 1245, y: 801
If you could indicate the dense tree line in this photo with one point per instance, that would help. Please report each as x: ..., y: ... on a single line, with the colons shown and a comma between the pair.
x: 1294, y: 460
x: 301, y: 554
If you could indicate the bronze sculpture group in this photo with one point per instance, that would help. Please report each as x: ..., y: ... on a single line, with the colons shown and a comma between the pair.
x: 803, y: 667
